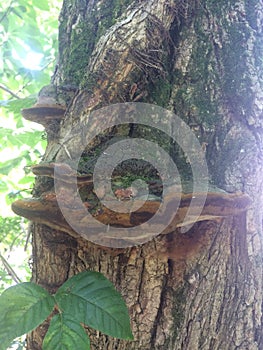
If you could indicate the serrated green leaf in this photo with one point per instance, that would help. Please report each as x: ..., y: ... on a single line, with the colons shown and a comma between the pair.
x: 64, y: 333
x: 92, y: 299
x: 22, y: 308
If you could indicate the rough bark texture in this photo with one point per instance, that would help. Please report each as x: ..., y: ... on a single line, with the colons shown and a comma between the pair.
x: 202, y: 60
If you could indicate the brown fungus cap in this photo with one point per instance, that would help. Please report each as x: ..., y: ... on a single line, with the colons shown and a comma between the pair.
x: 46, y: 210
x: 44, y: 113
x: 64, y: 173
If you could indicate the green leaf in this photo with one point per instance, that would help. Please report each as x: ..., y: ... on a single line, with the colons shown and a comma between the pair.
x: 65, y: 333
x: 16, y: 105
x: 25, y: 180
x: 28, y: 138
x: 91, y: 299
x: 10, y: 164
x: 3, y: 186
x: 22, y: 308
x: 41, y: 4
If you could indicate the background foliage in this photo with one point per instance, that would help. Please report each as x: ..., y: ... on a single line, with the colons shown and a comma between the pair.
x: 28, y: 41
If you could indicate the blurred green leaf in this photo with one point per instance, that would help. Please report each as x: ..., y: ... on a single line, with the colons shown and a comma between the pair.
x: 16, y: 105
x: 6, y: 167
x: 26, y: 180
x: 41, y: 4
x: 28, y: 138
x: 3, y: 186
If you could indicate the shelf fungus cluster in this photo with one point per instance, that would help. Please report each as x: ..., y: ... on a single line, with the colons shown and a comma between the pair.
x: 72, y: 206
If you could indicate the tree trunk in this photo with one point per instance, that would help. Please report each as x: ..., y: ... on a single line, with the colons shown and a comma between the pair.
x: 186, y: 289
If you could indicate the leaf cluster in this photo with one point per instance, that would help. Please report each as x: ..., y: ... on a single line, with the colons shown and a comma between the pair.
x: 86, y: 299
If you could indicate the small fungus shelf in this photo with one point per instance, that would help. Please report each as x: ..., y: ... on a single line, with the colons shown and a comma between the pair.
x: 44, y: 113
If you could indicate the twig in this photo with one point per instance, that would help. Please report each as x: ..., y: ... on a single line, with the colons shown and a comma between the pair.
x: 28, y: 236
x: 3, y: 87
x: 9, y: 269
x: 7, y: 11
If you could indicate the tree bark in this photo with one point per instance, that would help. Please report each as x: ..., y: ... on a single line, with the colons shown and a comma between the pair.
x: 201, y: 289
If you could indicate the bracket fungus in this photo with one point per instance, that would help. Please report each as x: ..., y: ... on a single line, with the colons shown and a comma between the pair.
x: 64, y: 173
x: 46, y: 109
x: 52, y: 208
x: 44, y: 113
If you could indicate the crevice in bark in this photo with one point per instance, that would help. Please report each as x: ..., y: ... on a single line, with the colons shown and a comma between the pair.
x: 159, y: 314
